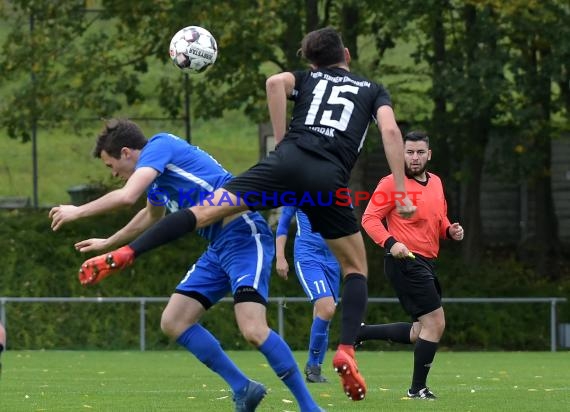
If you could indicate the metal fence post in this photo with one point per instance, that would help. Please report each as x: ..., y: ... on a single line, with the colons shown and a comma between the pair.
x: 280, y: 318
x: 142, y: 326
x: 3, y: 311
x: 553, y: 325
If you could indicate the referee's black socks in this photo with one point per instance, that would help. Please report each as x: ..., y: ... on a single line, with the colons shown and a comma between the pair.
x: 424, y: 353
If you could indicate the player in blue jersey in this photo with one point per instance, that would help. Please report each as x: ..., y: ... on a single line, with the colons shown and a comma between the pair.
x: 319, y: 274
x: 176, y: 175
x: 313, y: 157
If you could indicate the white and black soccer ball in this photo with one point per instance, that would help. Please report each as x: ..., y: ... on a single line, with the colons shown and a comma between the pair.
x: 193, y: 49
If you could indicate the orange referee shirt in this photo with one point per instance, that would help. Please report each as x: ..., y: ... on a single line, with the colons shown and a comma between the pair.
x: 421, y: 232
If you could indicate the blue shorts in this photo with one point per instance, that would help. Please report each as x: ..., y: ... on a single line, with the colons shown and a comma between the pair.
x: 241, y: 255
x: 319, y: 274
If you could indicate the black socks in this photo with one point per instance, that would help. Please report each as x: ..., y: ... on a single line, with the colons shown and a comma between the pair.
x: 394, y: 332
x: 167, y: 229
x: 354, y: 298
x: 424, y: 353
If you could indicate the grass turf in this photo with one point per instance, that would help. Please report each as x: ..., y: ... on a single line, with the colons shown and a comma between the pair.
x: 176, y: 381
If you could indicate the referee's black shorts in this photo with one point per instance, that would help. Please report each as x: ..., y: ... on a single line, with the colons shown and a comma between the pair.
x: 291, y: 176
x: 415, y: 284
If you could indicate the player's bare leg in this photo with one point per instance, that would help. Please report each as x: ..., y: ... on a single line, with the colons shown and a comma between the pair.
x: 252, y: 321
x: 323, y: 311
x: 180, y: 313
x: 222, y: 205
x: 180, y: 322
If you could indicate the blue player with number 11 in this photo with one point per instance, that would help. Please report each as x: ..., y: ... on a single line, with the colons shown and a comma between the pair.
x: 318, y: 272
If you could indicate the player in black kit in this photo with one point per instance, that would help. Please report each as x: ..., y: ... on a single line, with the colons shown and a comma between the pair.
x: 310, y: 165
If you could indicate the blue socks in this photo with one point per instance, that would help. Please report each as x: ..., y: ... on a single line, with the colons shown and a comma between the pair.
x: 200, y: 342
x: 318, y: 342
x: 281, y: 359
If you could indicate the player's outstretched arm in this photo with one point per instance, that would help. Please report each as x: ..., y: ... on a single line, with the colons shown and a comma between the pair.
x: 277, y: 88
x: 394, y: 149
x: 123, y: 197
x: 144, y: 219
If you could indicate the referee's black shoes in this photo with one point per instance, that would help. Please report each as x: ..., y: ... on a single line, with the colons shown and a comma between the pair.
x: 424, y: 393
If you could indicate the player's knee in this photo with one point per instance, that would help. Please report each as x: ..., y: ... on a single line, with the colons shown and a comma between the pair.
x: 173, y: 327
x: 435, y: 327
x: 251, y: 314
x: 415, y: 331
x: 203, y: 215
x: 167, y: 325
x: 206, y: 214
x: 255, y: 333
x: 438, y: 322
x: 440, y: 325
x: 325, y: 310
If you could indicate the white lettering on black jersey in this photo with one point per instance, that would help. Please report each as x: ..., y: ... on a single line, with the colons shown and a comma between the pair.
x: 333, y: 109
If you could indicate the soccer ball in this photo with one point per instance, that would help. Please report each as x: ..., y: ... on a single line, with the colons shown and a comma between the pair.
x: 193, y: 49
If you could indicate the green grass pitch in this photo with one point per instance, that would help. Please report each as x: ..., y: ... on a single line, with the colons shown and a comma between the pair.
x: 176, y: 381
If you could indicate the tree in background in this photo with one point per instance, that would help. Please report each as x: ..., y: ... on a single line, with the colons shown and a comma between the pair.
x: 90, y: 58
x: 480, y: 67
x: 494, y: 66
x: 539, y: 61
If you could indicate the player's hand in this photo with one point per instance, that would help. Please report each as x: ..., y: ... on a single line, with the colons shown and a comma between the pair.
x: 62, y: 214
x: 401, y: 251
x: 456, y: 231
x: 282, y: 267
x: 94, y: 270
x: 405, y: 207
x: 92, y: 245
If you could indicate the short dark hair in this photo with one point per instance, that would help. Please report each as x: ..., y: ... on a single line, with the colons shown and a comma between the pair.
x: 323, y: 47
x: 416, y: 136
x: 116, y: 134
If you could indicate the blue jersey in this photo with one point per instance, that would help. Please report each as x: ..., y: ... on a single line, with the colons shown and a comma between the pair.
x: 187, y: 175
x: 308, y: 244
x: 315, y: 264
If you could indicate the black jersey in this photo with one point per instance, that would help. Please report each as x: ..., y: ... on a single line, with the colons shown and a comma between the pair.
x: 333, y: 109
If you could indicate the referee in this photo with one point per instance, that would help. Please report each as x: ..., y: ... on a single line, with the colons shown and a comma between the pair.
x: 411, y: 246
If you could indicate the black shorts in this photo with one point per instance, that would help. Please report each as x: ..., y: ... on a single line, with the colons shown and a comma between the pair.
x: 415, y: 283
x: 291, y: 176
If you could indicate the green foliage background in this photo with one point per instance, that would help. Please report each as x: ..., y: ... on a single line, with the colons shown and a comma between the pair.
x: 462, y: 69
x: 37, y: 262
